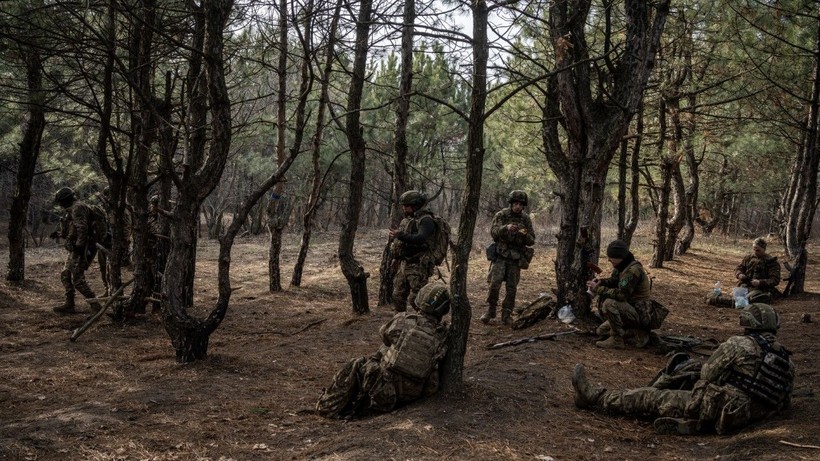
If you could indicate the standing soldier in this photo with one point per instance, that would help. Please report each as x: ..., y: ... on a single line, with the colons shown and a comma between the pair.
x: 412, y: 245
x: 513, y: 237
x: 759, y: 272
x: 78, y: 230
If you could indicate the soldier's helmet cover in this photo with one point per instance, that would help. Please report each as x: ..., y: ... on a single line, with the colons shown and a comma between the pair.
x: 434, y: 299
x: 518, y: 196
x: 64, y: 196
x: 759, y: 316
x: 414, y: 198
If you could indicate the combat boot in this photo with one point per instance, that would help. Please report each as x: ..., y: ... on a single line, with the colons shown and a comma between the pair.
x: 489, y: 315
x: 506, y: 317
x: 641, y: 338
x: 675, y: 426
x: 603, y: 329
x: 65, y: 308
x: 613, y: 342
x: 586, y: 396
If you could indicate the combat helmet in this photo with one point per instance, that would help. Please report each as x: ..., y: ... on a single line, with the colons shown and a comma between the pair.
x: 759, y: 317
x: 413, y: 197
x: 64, y: 197
x: 518, y: 196
x: 434, y: 299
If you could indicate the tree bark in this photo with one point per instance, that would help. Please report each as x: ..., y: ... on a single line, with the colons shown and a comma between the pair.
x: 595, y: 120
x: 453, y: 367
x: 351, y: 268
x: 27, y: 162
x: 400, y: 147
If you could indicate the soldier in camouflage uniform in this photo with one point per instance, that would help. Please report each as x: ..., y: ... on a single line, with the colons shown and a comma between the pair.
x: 760, y: 273
x: 627, y: 306
x: 404, y: 369
x: 513, y: 235
x: 747, y: 379
x: 412, y: 243
x: 79, y: 229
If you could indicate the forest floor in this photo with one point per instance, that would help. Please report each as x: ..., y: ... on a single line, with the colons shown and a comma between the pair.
x: 118, y: 394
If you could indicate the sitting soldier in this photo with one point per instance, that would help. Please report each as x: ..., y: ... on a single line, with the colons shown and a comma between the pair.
x: 760, y: 273
x: 748, y: 378
x: 404, y: 369
x: 626, y: 305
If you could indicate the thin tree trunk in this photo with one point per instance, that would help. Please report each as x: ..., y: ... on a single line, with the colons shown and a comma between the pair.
x: 27, y: 162
x: 635, y: 205
x: 352, y: 269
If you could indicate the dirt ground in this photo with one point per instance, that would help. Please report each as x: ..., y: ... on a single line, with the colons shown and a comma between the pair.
x: 117, y: 393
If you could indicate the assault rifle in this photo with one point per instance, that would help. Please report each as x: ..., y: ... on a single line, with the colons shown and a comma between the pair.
x: 531, y: 339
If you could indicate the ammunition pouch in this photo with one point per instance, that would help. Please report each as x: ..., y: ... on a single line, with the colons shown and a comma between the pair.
x: 491, y: 251
x: 526, y: 257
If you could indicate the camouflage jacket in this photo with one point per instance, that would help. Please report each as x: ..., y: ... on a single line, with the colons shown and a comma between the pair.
x: 632, y: 285
x: 766, y: 269
x: 510, y: 244
x: 414, y: 236
x: 717, y: 402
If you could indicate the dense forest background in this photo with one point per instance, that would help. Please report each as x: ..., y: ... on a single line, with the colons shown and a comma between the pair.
x: 268, y: 117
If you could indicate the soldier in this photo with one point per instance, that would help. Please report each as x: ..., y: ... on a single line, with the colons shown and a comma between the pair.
x: 748, y: 378
x: 79, y: 231
x: 513, y: 237
x: 627, y: 304
x: 404, y: 369
x: 412, y: 244
x: 760, y: 273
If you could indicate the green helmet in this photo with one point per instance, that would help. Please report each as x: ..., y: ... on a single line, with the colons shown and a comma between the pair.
x: 64, y: 196
x: 414, y: 198
x: 434, y: 299
x: 759, y: 316
x: 518, y: 196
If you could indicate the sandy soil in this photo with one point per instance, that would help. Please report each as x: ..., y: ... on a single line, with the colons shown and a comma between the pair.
x: 117, y: 393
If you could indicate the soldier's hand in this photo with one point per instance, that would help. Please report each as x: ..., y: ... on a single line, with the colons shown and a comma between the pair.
x: 741, y: 276
x: 593, y: 283
x: 755, y: 283
x: 522, y: 231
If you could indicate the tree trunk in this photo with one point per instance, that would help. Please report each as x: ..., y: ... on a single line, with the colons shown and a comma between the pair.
x: 676, y: 222
x: 400, y: 154
x: 316, y: 186
x: 594, y: 125
x: 803, y: 183
x: 352, y: 270
x: 667, y: 165
x: 278, y: 213
x: 453, y: 367
x: 27, y: 162
x: 635, y: 205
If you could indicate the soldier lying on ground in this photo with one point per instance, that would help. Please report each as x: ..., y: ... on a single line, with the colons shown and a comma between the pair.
x: 404, y: 369
x: 747, y: 379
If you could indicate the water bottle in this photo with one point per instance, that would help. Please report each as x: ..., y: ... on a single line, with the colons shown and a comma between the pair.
x: 565, y: 314
x: 716, y: 291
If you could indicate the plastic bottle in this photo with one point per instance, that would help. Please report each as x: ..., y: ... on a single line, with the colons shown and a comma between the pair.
x: 565, y: 314
x: 716, y: 291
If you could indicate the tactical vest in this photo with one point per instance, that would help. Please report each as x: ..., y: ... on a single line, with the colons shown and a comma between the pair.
x: 643, y: 291
x: 512, y: 246
x: 415, y: 353
x: 772, y: 383
x: 410, y: 225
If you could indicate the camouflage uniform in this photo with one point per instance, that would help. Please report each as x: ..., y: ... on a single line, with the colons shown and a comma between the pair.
x: 714, y: 404
x: 78, y: 229
x: 766, y: 269
x: 411, y: 247
x: 403, y: 370
x: 511, y: 246
x: 626, y: 299
x: 748, y: 378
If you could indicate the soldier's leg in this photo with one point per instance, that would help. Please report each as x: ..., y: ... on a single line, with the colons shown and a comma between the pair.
x: 619, y: 314
x: 417, y: 277
x: 78, y: 268
x: 512, y: 278
x: 400, y: 289
x: 102, y: 260
x: 338, y: 400
x: 65, y: 277
x: 646, y: 401
x: 495, y: 277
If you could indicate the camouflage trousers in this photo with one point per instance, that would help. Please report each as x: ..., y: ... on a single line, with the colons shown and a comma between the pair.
x: 621, y: 316
x: 361, y: 386
x: 507, y: 272
x: 715, y: 408
x: 73, y: 276
x: 409, y: 279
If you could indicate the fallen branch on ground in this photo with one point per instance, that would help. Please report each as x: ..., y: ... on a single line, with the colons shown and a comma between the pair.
x: 99, y: 313
x: 799, y: 445
x: 530, y: 339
